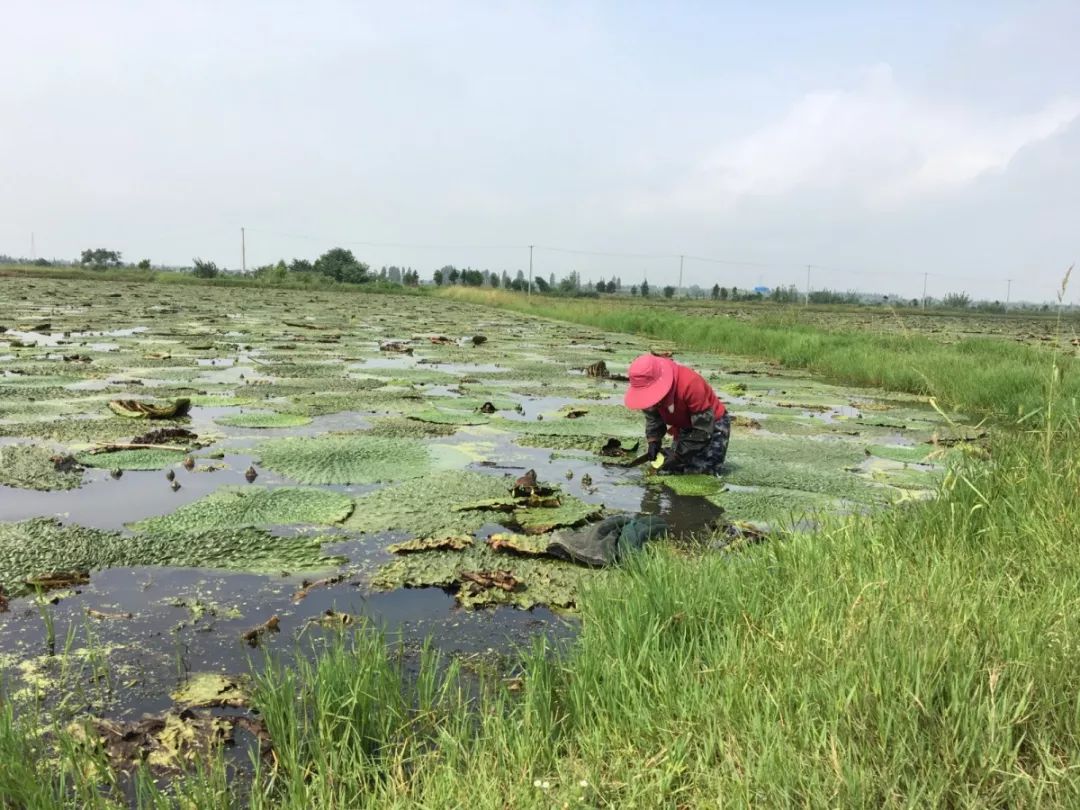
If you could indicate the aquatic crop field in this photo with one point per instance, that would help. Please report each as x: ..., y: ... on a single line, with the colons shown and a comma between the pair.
x: 190, y: 598
x: 322, y: 430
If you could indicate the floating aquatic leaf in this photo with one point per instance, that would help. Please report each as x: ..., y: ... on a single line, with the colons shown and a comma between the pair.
x: 690, y: 485
x: 543, y: 582
x: 451, y: 542
x: 31, y: 467
x: 142, y: 459
x: 346, y: 458
x: 265, y: 420
x: 440, y: 416
x: 134, y: 409
x: 570, y: 512
x: 400, y: 428
x: 425, y: 506
x: 916, y: 453
x: 44, y: 545
x: 239, y: 507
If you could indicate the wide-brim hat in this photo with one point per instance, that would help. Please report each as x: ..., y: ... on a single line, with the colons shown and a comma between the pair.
x: 651, y: 378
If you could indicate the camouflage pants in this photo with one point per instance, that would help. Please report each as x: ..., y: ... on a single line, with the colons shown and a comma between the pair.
x: 711, y: 459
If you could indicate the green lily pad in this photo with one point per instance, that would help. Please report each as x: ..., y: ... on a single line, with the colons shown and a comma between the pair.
x: 552, y: 583
x: 569, y: 513
x: 44, y: 545
x: 239, y: 507
x: 893, y: 452
x: 31, y: 467
x: 395, y: 427
x: 148, y: 459
x: 446, y: 417
x: 347, y: 458
x: 425, y: 506
x: 690, y: 485
x: 265, y: 420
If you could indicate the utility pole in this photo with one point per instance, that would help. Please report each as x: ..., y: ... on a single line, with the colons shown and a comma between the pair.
x: 680, y: 274
x: 243, y: 251
x: 1008, y: 294
x: 33, y: 250
x: 807, y: 303
x: 924, y: 275
x: 529, y: 293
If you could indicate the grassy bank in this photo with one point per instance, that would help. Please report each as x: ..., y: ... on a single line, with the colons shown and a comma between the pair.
x: 976, y: 375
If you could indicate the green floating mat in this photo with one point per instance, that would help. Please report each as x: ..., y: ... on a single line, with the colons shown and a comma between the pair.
x: 157, y: 458
x: 348, y: 458
x: 44, y: 546
x: 31, y: 467
x: 239, y: 507
x: 265, y: 420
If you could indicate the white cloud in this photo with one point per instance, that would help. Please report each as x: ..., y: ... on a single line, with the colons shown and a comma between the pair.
x: 876, y: 143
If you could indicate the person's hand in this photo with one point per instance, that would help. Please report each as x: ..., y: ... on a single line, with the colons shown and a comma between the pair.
x: 654, y: 449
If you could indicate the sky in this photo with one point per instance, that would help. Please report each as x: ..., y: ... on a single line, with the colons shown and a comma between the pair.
x: 883, y: 144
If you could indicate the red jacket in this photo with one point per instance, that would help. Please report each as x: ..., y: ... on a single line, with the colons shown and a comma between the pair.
x: 689, y: 394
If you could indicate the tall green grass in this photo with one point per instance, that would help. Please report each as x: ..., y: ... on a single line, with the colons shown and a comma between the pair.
x: 983, y: 376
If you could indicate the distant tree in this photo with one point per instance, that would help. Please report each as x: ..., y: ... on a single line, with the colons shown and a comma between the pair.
x: 518, y: 284
x: 914, y: 302
x: 394, y: 274
x: 633, y: 290
x: 567, y: 284
x: 341, y: 265
x: 144, y: 264
x: 601, y: 286
x: 645, y: 289
x: 300, y: 266
x: 669, y: 291
x: 956, y: 300
x: 551, y: 281
x: 734, y: 293
x: 204, y: 269
x: 452, y: 275
x: 520, y: 278
x: 723, y: 293
x: 715, y: 292
x: 100, y: 258
x: 505, y: 280
x: 494, y: 280
x: 437, y: 278
x: 541, y: 285
x: 43, y: 262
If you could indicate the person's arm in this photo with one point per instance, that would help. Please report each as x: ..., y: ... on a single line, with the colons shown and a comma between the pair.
x: 697, y: 438
x: 655, y: 428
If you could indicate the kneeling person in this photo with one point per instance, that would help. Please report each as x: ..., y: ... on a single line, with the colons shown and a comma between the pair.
x: 678, y: 400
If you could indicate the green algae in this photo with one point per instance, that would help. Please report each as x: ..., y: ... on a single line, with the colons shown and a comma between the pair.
x: 211, y: 689
x: 29, y: 466
x: 550, y: 583
x: 265, y: 420
x: 240, y: 507
x: 44, y: 545
x: 157, y: 458
x: 425, y: 506
x: 346, y: 458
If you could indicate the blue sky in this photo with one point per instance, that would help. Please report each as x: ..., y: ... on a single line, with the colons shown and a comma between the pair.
x: 874, y: 141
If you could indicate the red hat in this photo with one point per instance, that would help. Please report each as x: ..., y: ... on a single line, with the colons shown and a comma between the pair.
x: 651, y: 378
